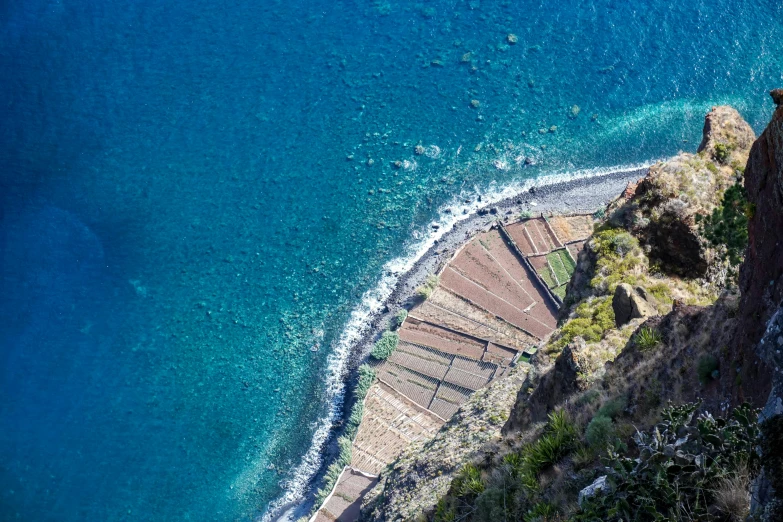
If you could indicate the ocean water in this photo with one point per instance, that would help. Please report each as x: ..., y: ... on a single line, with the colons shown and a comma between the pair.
x: 199, y: 207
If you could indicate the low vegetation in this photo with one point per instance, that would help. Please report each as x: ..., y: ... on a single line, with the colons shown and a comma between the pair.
x: 592, y: 319
x: 511, y: 491
x: 688, y: 466
x: 429, y: 286
x: 647, y: 338
x: 385, y: 346
x: 400, y: 317
x: 682, y: 469
x: 619, y: 259
x: 727, y: 226
x: 345, y: 442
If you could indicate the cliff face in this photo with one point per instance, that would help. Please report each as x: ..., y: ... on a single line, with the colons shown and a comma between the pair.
x: 761, y: 276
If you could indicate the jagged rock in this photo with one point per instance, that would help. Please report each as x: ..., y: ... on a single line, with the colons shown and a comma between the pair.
x: 565, y: 378
x: 642, y: 303
x: 632, y: 303
x: 663, y: 210
x: 593, y: 489
x: 724, y: 125
x: 621, y: 304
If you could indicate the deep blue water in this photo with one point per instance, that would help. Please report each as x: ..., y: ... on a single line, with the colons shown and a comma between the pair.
x: 180, y: 222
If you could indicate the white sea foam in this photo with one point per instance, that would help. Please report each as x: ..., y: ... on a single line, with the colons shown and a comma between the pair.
x: 373, y: 301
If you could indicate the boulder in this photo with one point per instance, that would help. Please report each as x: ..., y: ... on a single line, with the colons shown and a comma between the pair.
x: 642, y: 303
x: 621, y: 304
x: 632, y: 303
x: 599, y: 485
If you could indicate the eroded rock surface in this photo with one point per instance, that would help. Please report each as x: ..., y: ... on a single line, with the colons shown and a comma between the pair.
x: 556, y: 384
x: 666, y: 202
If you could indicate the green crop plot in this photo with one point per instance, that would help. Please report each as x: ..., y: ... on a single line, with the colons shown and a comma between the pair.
x: 546, y: 275
x: 568, y: 262
x: 558, y: 267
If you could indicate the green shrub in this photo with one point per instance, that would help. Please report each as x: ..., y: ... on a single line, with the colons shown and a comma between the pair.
x: 385, y: 346
x: 599, y: 433
x: 541, y: 512
x: 469, y: 482
x: 426, y: 289
x: 593, y: 319
x: 614, y: 407
x: 675, y: 471
x: 647, y: 339
x: 618, y: 254
x: 599, y: 214
x: 727, y: 226
x: 707, y: 368
x: 400, y: 317
x: 366, y: 378
x: 559, y: 438
x: 513, y: 490
x: 722, y: 152
x: 582, y: 457
x: 660, y: 291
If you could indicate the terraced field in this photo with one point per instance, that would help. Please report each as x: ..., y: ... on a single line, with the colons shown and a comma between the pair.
x: 345, y: 501
x: 494, y: 302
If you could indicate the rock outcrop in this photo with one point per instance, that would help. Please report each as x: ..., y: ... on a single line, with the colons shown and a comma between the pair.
x: 632, y: 303
x: 759, y: 339
x: 564, y: 379
x: 663, y: 210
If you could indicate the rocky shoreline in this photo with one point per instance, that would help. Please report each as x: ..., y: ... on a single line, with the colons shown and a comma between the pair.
x: 582, y: 195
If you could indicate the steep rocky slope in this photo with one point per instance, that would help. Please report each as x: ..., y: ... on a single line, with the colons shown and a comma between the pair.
x: 761, y: 276
x: 653, y: 316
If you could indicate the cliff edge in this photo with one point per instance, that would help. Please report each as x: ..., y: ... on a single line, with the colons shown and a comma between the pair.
x: 665, y: 328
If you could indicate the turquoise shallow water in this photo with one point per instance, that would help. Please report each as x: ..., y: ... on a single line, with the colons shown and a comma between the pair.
x: 196, y: 195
